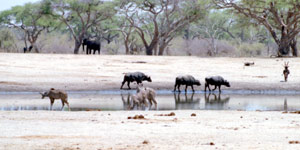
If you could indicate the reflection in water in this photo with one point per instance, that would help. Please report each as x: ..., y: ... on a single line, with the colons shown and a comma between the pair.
x: 166, y: 101
x: 285, y: 107
x: 23, y: 108
x: 214, y: 102
x: 187, y: 102
x: 126, y: 101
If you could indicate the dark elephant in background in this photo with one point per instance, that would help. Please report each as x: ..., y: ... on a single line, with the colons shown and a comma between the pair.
x: 27, y: 49
x: 91, y: 45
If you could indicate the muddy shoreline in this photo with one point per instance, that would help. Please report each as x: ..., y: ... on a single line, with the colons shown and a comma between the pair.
x: 157, y: 130
x: 39, y: 72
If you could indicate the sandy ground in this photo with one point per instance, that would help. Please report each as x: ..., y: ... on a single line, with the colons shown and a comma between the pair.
x: 113, y: 130
x: 37, y: 72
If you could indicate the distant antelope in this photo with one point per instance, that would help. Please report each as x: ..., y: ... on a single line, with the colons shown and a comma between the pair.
x: 286, y: 71
x: 56, y: 94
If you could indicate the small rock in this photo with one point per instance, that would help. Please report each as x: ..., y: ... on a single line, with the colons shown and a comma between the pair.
x: 193, y: 114
x: 145, y: 142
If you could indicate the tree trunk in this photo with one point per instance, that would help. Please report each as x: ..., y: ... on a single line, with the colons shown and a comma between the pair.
x: 126, y: 47
x: 284, y: 47
x: 214, y: 46
x: 162, y: 48
x: 34, y: 46
x: 294, y: 47
x: 77, y: 46
x: 149, y: 50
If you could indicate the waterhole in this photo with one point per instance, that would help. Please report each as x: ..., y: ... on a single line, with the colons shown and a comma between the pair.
x: 167, y: 100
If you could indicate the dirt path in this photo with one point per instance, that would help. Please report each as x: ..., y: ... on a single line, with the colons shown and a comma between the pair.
x: 36, y: 72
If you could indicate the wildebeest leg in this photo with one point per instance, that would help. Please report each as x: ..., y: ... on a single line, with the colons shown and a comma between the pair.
x: 122, y: 84
x: 155, y: 103
x: 150, y: 103
x: 68, y: 105
x: 175, y: 88
x: 63, y: 104
x: 51, y: 103
x: 128, y: 84
x: 144, y: 101
x: 208, y: 87
x: 215, y: 88
x: 186, y: 88
x: 219, y: 88
x: 178, y: 88
x: 193, y: 88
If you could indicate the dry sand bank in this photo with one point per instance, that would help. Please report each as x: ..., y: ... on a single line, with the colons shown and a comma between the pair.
x: 112, y: 130
x: 36, y: 72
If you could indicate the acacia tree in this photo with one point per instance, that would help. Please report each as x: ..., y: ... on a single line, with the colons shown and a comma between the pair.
x: 176, y: 16
x: 32, y: 18
x: 157, y: 21
x: 280, y: 17
x: 80, y: 15
x: 211, y: 28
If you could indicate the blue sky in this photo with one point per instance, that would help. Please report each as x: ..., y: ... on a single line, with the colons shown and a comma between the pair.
x: 7, y: 4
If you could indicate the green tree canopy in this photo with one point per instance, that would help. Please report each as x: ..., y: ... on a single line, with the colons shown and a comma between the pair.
x: 32, y: 18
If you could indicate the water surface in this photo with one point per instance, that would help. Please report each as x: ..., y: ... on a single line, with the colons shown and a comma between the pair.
x: 167, y: 100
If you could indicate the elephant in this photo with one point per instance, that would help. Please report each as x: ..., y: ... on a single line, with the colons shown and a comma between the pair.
x: 91, y: 45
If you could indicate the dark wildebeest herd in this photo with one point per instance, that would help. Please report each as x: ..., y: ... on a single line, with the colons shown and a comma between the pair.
x: 146, y: 95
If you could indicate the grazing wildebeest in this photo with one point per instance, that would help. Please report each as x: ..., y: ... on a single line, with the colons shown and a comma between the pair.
x: 186, y: 80
x: 286, y: 71
x: 27, y: 49
x: 56, y: 94
x: 91, y: 45
x: 150, y: 95
x: 139, y: 98
x: 139, y: 77
x: 217, y: 81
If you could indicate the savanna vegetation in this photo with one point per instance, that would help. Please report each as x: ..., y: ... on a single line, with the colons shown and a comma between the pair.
x: 155, y: 27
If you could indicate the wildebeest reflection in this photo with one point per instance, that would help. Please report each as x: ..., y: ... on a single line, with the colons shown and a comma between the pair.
x: 186, y: 102
x: 126, y: 101
x: 214, y: 102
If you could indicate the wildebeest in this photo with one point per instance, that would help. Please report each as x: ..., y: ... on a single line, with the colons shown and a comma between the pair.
x: 56, y: 94
x: 139, y: 77
x: 286, y: 71
x: 27, y: 49
x: 91, y: 45
x: 139, y: 98
x: 186, y: 80
x: 150, y: 95
x: 217, y: 81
